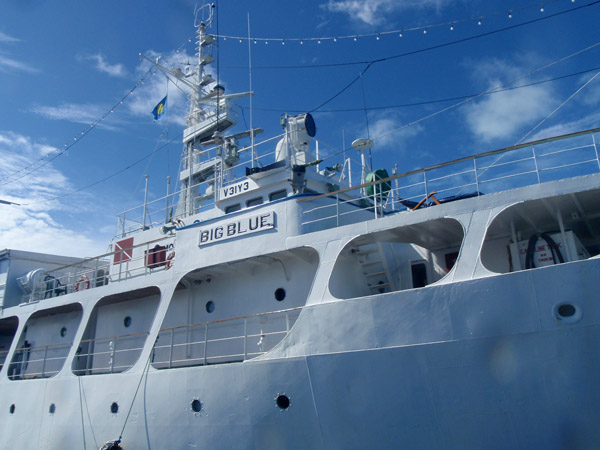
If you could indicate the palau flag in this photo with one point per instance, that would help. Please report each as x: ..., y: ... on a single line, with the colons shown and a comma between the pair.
x: 160, y: 109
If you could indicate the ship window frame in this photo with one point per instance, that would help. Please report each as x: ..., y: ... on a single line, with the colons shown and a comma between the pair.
x: 254, y: 202
x: 233, y: 208
x: 278, y: 195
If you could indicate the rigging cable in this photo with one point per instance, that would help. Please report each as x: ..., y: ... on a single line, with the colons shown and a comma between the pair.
x: 103, y: 179
x: 160, y: 138
x: 558, y: 107
x: 500, y: 85
x: 426, y: 49
x: 430, y: 102
x: 374, y: 61
x: 539, y: 69
x: 75, y: 139
x: 378, y: 34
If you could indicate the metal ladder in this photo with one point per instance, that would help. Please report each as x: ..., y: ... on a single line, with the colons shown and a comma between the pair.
x: 375, y: 268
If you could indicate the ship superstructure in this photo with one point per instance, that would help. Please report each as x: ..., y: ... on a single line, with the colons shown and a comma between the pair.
x: 280, y: 304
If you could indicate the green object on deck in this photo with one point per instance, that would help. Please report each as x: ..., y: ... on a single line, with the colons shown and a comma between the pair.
x: 383, y: 188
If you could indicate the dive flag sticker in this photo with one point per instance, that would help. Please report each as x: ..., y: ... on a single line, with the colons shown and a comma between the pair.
x: 123, y: 251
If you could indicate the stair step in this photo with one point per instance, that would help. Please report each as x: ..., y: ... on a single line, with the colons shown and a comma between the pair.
x: 374, y: 274
x: 364, y: 252
x: 379, y: 286
x: 370, y: 263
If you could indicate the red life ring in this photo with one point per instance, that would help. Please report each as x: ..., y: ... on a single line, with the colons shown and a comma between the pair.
x: 82, y: 283
x: 170, y: 258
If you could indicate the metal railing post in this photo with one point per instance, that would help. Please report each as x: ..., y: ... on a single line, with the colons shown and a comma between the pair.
x: 113, y: 344
x: 167, y: 199
x: 171, y: 350
x: 287, y: 323
x: 337, y: 210
x: 245, y: 338
x: 44, y: 361
x: 537, y: 170
x: 476, y: 176
x: 205, y: 341
x: 145, y: 203
x: 596, y: 150
x: 88, y: 359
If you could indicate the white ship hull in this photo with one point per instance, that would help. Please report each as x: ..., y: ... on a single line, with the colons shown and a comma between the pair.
x: 471, y: 362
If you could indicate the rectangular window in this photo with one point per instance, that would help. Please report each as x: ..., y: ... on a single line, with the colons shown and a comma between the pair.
x: 254, y: 201
x: 277, y: 195
x: 233, y: 208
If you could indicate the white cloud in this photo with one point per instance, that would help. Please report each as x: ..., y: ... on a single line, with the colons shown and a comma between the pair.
x: 37, y: 224
x: 590, y: 96
x: 9, y: 65
x: 6, y: 38
x: 147, y: 96
x: 71, y: 112
x: 505, y: 114
x: 386, y: 129
x: 114, y: 70
x: 376, y: 12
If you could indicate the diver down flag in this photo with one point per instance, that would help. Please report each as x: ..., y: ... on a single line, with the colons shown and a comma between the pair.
x: 160, y: 109
x: 123, y: 251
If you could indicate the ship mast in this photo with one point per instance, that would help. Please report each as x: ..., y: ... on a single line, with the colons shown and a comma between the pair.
x: 210, y: 114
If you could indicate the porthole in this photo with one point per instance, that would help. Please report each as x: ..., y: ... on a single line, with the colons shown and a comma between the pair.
x: 196, y: 405
x: 63, y: 331
x: 52, y: 408
x: 12, y: 409
x: 114, y: 408
x: 282, y: 401
x: 279, y: 294
x: 567, y: 312
x: 127, y: 321
x: 210, y: 306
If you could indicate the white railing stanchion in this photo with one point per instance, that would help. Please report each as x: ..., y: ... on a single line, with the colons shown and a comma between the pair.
x: 245, y: 338
x: 205, y: 341
x: 113, y: 346
x: 535, y: 161
x: 44, y: 361
x: 171, y: 350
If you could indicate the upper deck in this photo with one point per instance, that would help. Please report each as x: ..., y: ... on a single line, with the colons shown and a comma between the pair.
x: 148, y: 246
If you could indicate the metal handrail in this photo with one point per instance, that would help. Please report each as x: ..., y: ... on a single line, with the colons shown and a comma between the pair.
x: 201, y: 356
x: 26, y: 363
x: 476, y: 172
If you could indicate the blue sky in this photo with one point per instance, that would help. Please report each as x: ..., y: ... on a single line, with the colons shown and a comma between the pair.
x: 65, y: 65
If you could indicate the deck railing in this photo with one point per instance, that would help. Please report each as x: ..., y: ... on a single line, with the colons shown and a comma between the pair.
x: 42, y: 361
x: 499, y: 170
x: 222, y: 341
x: 95, y: 272
x: 112, y: 354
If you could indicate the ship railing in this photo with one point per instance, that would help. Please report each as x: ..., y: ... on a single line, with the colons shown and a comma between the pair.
x: 112, y: 354
x: 3, y: 355
x: 222, y: 341
x: 163, y: 210
x: 108, y: 268
x: 536, y: 162
x: 159, y: 211
x: 41, y: 361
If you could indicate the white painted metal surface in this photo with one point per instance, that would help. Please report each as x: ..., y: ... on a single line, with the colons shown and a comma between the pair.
x: 339, y: 322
